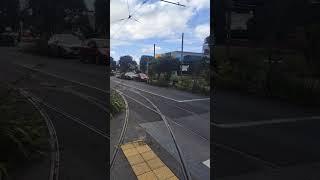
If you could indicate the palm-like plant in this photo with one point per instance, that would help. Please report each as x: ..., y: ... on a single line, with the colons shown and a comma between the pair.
x: 20, y: 133
x: 3, y: 171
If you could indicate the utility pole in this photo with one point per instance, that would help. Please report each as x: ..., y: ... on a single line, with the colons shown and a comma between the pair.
x: 181, y: 58
x: 154, y: 51
x: 182, y: 47
x: 229, y: 8
x: 154, y: 57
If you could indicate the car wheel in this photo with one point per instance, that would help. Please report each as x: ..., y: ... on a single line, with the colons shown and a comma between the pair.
x: 82, y: 59
x: 51, y: 51
x: 15, y: 42
x: 61, y: 52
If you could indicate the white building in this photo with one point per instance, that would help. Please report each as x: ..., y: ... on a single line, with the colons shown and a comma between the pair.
x: 177, y: 54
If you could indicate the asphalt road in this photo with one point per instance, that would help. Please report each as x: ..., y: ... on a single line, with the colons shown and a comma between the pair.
x: 75, y: 97
x: 260, y: 138
x: 187, y: 114
x: 250, y: 135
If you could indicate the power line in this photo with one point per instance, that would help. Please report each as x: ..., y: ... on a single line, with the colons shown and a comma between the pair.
x: 144, y: 2
x: 119, y: 28
x: 175, y: 3
x: 128, y: 7
x: 130, y: 16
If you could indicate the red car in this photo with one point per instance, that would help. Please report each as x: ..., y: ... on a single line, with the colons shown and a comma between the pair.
x: 142, y: 77
x: 95, y: 51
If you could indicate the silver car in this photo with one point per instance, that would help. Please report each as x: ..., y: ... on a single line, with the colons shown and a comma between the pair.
x: 64, y: 45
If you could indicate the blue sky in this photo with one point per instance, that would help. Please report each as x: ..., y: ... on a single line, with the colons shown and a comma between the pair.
x: 161, y: 24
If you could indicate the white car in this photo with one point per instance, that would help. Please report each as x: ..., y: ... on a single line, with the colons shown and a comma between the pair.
x: 64, y: 45
x: 130, y: 75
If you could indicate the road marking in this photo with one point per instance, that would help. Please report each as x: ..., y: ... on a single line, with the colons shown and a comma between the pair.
x: 266, y: 122
x: 249, y: 156
x: 143, y: 90
x: 145, y: 163
x: 60, y: 77
x: 207, y: 163
x: 191, y: 100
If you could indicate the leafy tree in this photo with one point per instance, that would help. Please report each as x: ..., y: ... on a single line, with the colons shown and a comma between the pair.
x: 51, y: 16
x: 165, y: 65
x: 113, y: 64
x: 143, y: 62
x: 102, y: 16
x: 219, y: 16
x: 9, y: 13
x: 127, y: 64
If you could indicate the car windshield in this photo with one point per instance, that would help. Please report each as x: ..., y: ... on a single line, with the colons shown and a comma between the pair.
x: 68, y: 39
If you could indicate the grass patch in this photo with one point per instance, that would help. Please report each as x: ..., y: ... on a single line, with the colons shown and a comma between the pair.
x: 23, y: 132
x: 117, y: 103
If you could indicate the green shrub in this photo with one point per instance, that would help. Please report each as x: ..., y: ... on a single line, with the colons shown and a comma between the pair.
x: 161, y: 82
x: 23, y: 134
x: 116, y: 102
x: 185, y: 83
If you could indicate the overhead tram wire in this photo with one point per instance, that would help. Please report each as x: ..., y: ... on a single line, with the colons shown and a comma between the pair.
x: 175, y: 3
x: 128, y: 18
x: 144, y: 2
x: 125, y: 20
x: 128, y: 7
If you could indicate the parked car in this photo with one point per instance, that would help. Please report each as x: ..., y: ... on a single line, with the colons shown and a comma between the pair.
x: 112, y: 73
x: 142, y: 77
x: 8, y: 39
x: 27, y: 36
x: 120, y: 76
x: 64, y: 45
x: 130, y: 75
x: 94, y: 51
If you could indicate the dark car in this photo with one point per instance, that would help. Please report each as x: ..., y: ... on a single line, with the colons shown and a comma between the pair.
x: 95, y: 51
x: 112, y: 73
x: 8, y: 39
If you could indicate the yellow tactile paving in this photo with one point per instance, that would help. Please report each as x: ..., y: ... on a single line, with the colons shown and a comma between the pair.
x: 163, y: 173
x: 130, y: 152
x: 155, y: 163
x: 143, y: 148
x: 145, y: 163
x: 173, y: 178
x: 140, y: 168
x: 127, y: 146
x: 135, y: 159
x: 148, y: 155
x: 148, y: 176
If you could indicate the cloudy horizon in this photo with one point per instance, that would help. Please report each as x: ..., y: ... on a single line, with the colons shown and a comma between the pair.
x: 159, y: 23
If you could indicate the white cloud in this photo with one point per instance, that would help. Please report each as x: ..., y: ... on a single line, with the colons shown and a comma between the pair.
x: 158, y: 19
x: 150, y: 49
x: 118, y: 42
x: 198, y: 4
x: 202, y: 31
